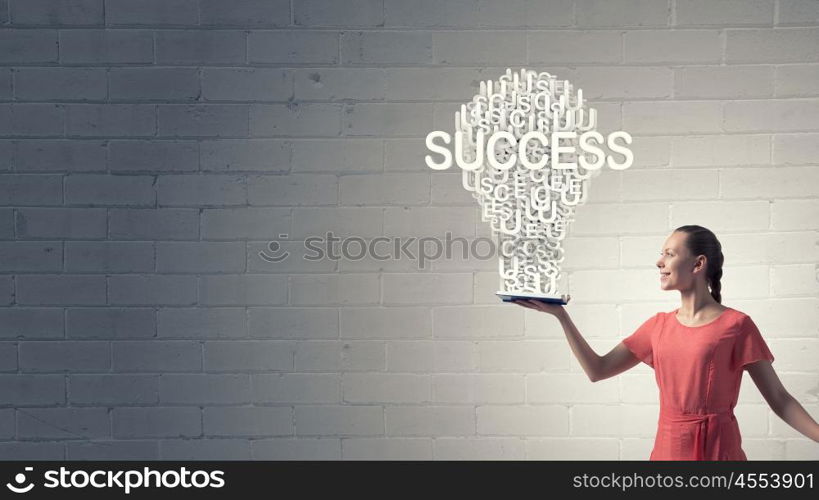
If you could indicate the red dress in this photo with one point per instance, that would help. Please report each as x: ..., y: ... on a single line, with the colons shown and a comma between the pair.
x: 698, y: 371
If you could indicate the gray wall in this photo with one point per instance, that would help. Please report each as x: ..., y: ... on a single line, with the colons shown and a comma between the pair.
x: 150, y: 149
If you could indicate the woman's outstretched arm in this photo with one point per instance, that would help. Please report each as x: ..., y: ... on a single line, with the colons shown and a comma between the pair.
x: 781, y: 402
x: 596, y: 367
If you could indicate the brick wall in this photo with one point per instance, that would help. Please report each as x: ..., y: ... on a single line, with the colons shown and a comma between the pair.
x: 149, y: 150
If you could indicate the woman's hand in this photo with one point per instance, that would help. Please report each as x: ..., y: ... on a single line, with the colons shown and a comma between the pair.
x: 553, y: 309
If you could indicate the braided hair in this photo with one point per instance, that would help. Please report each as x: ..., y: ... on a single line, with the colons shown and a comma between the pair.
x: 701, y: 241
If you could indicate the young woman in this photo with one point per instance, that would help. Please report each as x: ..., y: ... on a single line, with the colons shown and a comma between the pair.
x: 698, y: 353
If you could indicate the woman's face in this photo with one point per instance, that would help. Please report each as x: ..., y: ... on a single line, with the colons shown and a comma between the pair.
x: 676, y: 265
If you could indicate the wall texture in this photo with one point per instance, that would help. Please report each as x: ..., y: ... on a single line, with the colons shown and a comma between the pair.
x: 149, y: 150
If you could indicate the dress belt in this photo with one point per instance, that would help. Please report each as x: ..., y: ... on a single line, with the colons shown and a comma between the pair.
x: 707, y: 424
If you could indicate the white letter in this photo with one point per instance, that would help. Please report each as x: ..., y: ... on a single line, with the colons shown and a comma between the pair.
x: 490, y: 150
x: 524, y: 158
x: 592, y: 148
x: 438, y: 149
x: 557, y: 149
x: 459, y: 152
x: 51, y: 481
x: 619, y: 149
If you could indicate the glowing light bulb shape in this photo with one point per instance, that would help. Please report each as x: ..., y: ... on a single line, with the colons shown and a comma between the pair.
x: 528, y: 147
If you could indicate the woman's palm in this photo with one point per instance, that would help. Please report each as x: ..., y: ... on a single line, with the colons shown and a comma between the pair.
x: 553, y: 309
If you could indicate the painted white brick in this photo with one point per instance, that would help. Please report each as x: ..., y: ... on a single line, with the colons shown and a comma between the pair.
x: 652, y: 151
x: 341, y: 222
x: 427, y: 356
x: 527, y: 357
x: 573, y: 47
x: 479, y: 388
x: 393, y: 47
x: 448, y: 189
x: 800, y: 449
x: 293, y: 47
x: 615, y: 219
x: 671, y: 185
x: 386, y: 119
x: 482, y: 448
x: 295, y: 120
x: 386, y: 388
x: 795, y: 80
x: 386, y: 449
x: 745, y: 282
x: 794, y: 280
x: 793, y: 354
x: 789, y: 115
x: 636, y: 448
x: 795, y: 149
x: 384, y: 189
x: 438, y: 83
x: 673, y: 117
x: 407, y: 154
x: 198, y: 323
x: 521, y: 420
x: 247, y: 356
x: 614, y: 420
x: 766, y: 45
x: 242, y: 290
x: 432, y: 289
x: 339, y: 420
x: 752, y: 419
x: 639, y: 388
x: 293, y: 322
x: 790, y: 247
x: 723, y: 215
x: 248, y: 421
x: 730, y: 12
x: 477, y: 322
x: 348, y: 155
x: 296, y: 388
x: 782, y: 317
x: 336, y: 356
x: 772, y: 182
x: 296, y: 449
x: 599, y: 13
x: 210, y: 389
x: 672, y: 46
x: 558, y: 388
x: 334, y: 84
x: 720, y: 150
x: 572, y: 449
x: 244, y: 13
x: 208, y: 449
x: 728, y: 82
x: 430, y: 421
x: 292, y: 190
x: 617, y: 82
x: 341, y: 289
x: 385, y: 323
x: 329, y: 13
x: 604, y: 286
x: 471, y: 47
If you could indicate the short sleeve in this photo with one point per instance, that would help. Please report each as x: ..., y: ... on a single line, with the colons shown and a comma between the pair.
x: 749, y: 345
x: 640, y: 343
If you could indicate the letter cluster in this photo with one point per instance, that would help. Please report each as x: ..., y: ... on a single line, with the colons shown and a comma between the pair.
x: 521, y: 157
